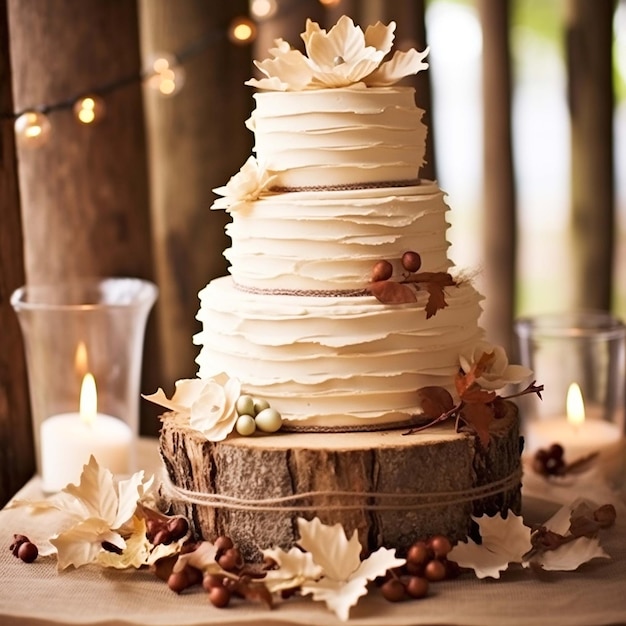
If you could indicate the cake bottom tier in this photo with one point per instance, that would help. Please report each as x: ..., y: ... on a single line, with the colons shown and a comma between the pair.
x: 392, y: 488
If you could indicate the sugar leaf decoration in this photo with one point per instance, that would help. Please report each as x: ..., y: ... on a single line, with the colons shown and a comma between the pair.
x: 328, y: 566
x: 566, y: 541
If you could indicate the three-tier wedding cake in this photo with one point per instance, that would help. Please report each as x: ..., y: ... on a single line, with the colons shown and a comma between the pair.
x: 343, y: 313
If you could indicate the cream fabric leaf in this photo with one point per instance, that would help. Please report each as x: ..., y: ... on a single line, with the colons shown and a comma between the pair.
x: 504, y: 541
x: 571, y: 555
x: 339, y: 596
x: 337, y: 556
x: 135, y: 553
x: 82, y: 542
x: 295, y: 568
x: 377, y: 563
x: 96, y: 491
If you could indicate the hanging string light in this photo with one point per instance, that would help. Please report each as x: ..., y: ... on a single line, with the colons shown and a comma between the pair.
x: 263, y: 9
x: 89, y: 109
x: 163, y: 73
x: 32, y: 129
x: 242, y: 31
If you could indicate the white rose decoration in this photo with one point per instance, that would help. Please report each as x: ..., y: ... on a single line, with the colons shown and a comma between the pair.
x: 210, y: 404
x: 499, y: 372
x: 245, y: 186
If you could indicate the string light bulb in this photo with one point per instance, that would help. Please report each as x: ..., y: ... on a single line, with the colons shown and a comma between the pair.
x: 32, y: 129
x: 164, y: 74
x: 329, y: 3
x: 263, y: 9
x: 242, y: 31
x: 89, y: 109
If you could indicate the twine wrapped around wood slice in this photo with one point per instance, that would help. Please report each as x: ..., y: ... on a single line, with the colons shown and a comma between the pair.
x: 393, y: 489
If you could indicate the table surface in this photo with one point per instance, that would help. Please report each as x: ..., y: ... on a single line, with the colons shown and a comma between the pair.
x: 36, y: 594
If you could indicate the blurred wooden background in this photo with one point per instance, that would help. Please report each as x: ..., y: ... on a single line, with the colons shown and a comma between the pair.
x: 131, y: 194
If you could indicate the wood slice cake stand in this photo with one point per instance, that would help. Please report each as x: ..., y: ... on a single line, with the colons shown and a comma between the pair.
x: 392, y: 488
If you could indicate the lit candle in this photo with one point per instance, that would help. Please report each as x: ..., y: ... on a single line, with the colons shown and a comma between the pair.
x: 68, y: 440
x: 578, y: 435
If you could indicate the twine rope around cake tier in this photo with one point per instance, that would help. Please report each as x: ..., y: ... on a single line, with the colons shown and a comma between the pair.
x: 313, y: 293
x: 348, y: 186
x: 289, y: 504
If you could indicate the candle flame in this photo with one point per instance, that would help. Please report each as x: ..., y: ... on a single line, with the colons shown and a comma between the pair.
x: 575, y: 406
x: 88, y: 399
x: 80, y: 359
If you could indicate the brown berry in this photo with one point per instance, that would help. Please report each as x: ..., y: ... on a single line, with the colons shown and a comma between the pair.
x: 27, y: 551
x: 435, y: 571
x: 556, y: 451
x: 162, y: 536
x: 18, y: 540
x: 230, y: 560
x: 223, y: 543
x: 178, y: 527
x: 383, y: 270
x: 219, y: 597
x: 440, y: 545
x: 417, y: 587
x: 453, y: 569
x: 411, y: 261
x: 418, y: 553
x: 393, y: 590
x: 212, y: 580
x: 414, y: 569
x: 179, y: 581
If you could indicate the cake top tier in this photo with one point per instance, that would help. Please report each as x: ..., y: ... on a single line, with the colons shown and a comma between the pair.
x: 342, y: 57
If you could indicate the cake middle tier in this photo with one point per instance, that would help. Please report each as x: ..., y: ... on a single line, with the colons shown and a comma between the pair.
x: 331, y: 240
x: 334, y: 361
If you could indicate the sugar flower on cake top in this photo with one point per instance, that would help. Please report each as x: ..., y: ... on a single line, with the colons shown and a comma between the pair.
x: 342, y: 57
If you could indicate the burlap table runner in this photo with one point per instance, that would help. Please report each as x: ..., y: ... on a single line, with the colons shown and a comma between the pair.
x: 34, y: 594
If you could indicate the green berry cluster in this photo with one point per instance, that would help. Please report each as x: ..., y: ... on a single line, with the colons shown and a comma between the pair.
x: 256, y: 413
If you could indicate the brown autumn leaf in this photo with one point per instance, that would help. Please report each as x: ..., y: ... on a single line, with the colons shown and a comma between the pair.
x: 478, y: 417
x: 392, y: 292
x: 436, y: 299
x: 477, y: 395
x: 435, y: 401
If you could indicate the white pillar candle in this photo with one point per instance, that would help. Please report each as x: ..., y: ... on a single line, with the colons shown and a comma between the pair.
x: 67, y: 442
x: 69, y: 439
x: 579, y: 434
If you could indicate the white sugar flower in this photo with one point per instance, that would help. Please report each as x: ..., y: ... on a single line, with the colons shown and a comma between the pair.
x: 245, y: 186
x: 497, y: 371
x: 342, y: 57
x: 208, y: 403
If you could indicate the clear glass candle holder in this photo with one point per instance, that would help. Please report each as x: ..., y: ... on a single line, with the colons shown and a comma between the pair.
x: 580, y: 358
x: 84, y: 346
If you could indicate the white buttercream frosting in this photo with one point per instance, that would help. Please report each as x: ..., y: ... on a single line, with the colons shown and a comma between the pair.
x: 339, y: 136
x: 334, y: 361
x: 333, y: 190
x: 331, y: 240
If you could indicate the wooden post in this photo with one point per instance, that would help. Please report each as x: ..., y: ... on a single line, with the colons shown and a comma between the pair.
x: 17, y: 455
x: 84, y: 193
x: 589, y: 67
x: 499, y: 181
x: 197, y: 141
